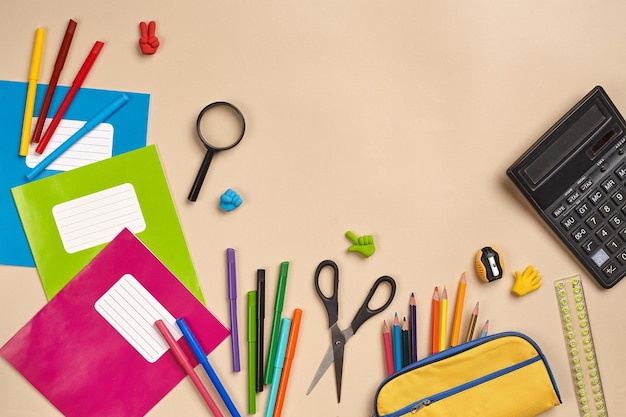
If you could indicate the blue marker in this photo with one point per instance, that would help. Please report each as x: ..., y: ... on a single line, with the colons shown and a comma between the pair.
x: 278, y: 365
x: 201, y: 356
x: 100, y: 117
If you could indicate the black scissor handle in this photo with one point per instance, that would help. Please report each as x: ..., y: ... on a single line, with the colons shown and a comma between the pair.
x: 365, y: 312
x: 331, y: 303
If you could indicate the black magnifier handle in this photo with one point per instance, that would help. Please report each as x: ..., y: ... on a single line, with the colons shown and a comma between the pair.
x: 197, y: 184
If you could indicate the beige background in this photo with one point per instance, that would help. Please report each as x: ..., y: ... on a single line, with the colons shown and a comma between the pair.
x: 391, y: 118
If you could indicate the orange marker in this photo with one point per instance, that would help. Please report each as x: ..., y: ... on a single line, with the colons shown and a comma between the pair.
x: 458, y: 311
x: 435, y: 322
x: 290, y: 353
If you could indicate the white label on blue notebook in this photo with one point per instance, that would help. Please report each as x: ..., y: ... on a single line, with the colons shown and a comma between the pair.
x: 97, y: 218
x: 132, y: 311
x: 95, y: 146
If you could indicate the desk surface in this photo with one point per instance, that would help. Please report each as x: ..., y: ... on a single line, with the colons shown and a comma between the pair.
x: 394, y: 119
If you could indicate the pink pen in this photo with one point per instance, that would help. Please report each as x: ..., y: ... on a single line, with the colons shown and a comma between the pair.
x: 186, y: 365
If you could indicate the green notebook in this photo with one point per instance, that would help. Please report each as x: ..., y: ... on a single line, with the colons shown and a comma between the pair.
x: 69, y: 217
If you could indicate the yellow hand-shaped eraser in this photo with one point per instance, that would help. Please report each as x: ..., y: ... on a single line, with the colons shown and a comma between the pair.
x: 529, y: 281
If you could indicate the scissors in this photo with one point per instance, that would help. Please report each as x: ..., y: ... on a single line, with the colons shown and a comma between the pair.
x: 340, y: 337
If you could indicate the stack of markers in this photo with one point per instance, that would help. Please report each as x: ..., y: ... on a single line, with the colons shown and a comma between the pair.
x: 400, y: 341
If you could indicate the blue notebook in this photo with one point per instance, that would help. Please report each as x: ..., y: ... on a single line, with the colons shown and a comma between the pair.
x: 124, y: 131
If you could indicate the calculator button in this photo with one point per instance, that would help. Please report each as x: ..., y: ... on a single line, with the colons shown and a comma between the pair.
x: 573, y: 197
x: 606, y: 209
x: 603, y: 233
x: 600, y: 257
x: 583, y: 209
x: 622, y: 257
x: 619, y: 197
x: 616, y: 221
x: 614, y: 245
x: 586, y: 185
x: 596, y: 196
x: 609, y: 184
x: 609, y: 270
x: 622, y: 234
x: 621, y: 171
x: 593, y: 221
x: 568, y: 222
x: 558, y: 211
x: 589, y: 246
x: 579, y: 233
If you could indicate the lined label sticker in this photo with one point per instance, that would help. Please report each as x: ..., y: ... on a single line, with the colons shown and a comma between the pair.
x: 97, y: 218
x: 95, y: 146
x: 132, y: 311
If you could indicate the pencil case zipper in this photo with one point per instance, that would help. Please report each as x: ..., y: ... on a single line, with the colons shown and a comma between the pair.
x: 415, y: 407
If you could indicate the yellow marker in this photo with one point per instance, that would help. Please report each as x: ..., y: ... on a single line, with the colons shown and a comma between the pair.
x: 443, y: 321
x: 33, y: 77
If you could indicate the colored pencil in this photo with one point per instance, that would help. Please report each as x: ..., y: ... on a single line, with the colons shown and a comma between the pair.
x: 443, y: 320
x: 458, y: 310
x: 434, y: 326
x: 485, y: 329
x: 413, y: 327
x: 406, y: 347
x: 472, y: 324
x: 397, y: 344
x: 388, y: 351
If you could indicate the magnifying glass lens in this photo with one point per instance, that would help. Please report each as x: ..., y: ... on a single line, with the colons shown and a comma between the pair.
x: 220, y: 127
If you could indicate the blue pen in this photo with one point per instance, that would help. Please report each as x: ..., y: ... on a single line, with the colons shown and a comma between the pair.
x: 101, y: 116
x: 201, y: 356
x: 281, y: 350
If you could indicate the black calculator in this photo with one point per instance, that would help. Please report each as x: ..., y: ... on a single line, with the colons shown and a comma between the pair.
x: 575, y: 176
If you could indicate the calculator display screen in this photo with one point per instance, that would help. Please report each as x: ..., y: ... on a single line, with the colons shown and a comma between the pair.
x: 569, y: 140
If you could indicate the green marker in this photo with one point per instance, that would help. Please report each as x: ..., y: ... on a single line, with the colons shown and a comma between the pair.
x: 251, y: 352
x: 278, y: 309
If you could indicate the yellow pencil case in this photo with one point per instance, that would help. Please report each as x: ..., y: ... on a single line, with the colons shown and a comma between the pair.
x: 501, y: 375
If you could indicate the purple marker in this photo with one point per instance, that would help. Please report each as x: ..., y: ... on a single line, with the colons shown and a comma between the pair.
x: 232, y: 296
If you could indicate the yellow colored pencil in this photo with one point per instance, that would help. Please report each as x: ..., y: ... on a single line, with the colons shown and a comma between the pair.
x: 443, y: 321
x: 458, y: 311
x: 33, y: 77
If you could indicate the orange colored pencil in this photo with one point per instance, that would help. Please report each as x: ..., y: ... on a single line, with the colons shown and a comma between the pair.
x: 435, y: 322
x: 289, y: 355
x: 458, y: 311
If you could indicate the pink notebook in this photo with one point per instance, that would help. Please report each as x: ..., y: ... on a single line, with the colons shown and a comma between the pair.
x: 93, y: 349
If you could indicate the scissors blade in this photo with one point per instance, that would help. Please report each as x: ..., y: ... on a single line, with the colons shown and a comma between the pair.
x: 338, y: 350
x: 328, y: 359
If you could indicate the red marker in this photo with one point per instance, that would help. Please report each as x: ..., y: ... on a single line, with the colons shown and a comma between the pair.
x: 78, y: 81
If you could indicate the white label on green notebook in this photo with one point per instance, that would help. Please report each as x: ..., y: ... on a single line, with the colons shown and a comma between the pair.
x: 95, y: 146
x: 97, y: 218
x: 132, y: 311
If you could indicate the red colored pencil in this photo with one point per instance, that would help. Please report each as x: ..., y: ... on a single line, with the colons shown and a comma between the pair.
x: 435, y: 322
x: 76, y: 84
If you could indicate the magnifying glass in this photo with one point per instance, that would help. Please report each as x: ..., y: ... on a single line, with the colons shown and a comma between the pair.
x: 220, y: 126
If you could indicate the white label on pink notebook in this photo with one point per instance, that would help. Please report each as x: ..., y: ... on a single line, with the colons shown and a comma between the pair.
x: 132, y: 311
x: 97, y: 218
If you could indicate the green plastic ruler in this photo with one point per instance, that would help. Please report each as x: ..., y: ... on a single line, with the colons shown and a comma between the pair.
x: 580, y: 347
